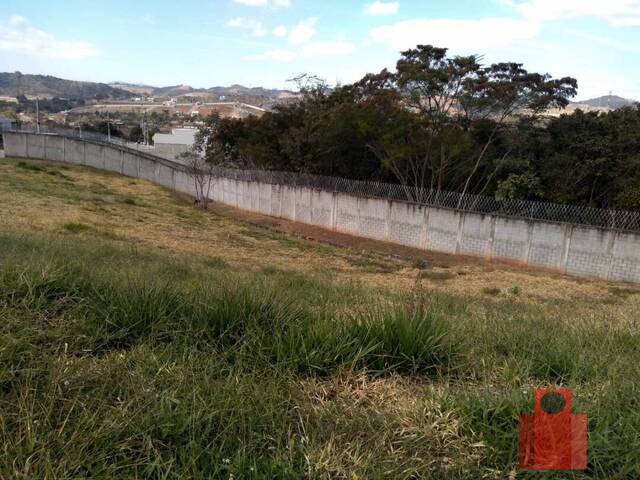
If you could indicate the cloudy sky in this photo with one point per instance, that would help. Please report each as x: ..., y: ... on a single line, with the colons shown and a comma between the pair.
x: 265, y: 42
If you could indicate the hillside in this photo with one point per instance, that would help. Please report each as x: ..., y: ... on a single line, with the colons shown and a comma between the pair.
x: 607, y: 102
x: 14, y: 84
x: 143, y: 338
x: 232, y: 91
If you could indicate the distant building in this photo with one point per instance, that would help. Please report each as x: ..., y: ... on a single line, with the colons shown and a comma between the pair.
x: 173, y: 144
x: 6, y: 123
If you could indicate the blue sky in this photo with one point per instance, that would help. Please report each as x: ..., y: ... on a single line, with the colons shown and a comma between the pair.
x: 206, y: 43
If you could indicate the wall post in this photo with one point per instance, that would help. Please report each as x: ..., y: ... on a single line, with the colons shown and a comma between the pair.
x: 566, y: 247
x: 527, y: 250
x: 334, y: 210
x: 460, y: 230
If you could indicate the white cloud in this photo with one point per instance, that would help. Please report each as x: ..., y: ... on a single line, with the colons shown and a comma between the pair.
x: 327, y: 49
x: 255, y: 27
x: 616, y: 12
x: 283, y: 56
x: 456, y: 34
x: 303, y: 31
x: 280, y: 31
x: 382, y: 8
x: 264, y: 3
x: 19, y: 36
x: 492, y: 32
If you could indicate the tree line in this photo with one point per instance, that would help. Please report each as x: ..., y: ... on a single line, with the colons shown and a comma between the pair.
x: 447, y: 124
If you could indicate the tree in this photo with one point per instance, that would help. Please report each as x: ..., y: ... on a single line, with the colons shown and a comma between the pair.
x: 462, y: 106
x: 203, y: 174
x: 505, y: 90
x: 136, y: 134
x: 207, y: 155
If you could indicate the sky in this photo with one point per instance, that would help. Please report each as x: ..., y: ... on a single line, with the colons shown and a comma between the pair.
x: 206, y: 43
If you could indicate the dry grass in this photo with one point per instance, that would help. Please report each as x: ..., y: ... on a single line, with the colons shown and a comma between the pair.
x: 161, y: 220
x: 349, y: 421
x: 412, y: 428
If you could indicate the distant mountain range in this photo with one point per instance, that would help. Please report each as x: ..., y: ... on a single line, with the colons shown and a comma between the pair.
x: 15, y: 84
x: 607, y: 102
x: 182, y: 90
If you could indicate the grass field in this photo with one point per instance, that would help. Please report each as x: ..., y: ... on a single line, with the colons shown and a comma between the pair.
x: 143, y: 338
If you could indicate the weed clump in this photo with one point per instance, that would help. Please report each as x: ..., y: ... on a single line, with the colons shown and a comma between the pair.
x: 75, y: 227
x: 436, y: 276
x: 491, y: 291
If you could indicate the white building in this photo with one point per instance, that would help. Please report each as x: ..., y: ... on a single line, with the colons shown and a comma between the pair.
x: 173, y: 144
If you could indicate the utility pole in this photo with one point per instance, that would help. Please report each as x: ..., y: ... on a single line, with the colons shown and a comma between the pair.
x: 37, y: 116
x: 108, y: 126
x: 144, y: 129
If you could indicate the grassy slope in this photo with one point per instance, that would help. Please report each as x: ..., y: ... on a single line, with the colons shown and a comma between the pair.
x: 140, y: 337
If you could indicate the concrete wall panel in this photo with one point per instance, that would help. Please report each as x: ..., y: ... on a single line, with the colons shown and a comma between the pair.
x: 547, y: 245
x: 94, y: 155
x: 288, y: 208
x: 625, y: 264
x: 442, y: 229
x: 511, y: 237
x: 54, y: 148
x: 303, y: 205
x: 374, y: 214
x: 74, y: 152
x: 407, y: 224
x: 589, y: 252
x: 276, y: 199
x: 254, y: 192
x: 15, y: 144
x: 164, y: 176
x: 264, y: 204
x: 184, y: 182
x: 322, y: 208
x: 35, y: 146
x: 347, y: 216
x: 244, y: 196
x: 113, y: 160
x: 476, y: 232
x: 130, y: 165
x: 147, y: 169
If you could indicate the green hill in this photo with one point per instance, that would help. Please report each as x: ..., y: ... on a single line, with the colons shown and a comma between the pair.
x: 15, y: 84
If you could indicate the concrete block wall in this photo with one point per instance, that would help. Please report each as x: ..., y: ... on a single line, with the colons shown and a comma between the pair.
x: 576, y: 250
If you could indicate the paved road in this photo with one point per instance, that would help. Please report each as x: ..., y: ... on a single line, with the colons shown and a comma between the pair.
x: 91, y: 108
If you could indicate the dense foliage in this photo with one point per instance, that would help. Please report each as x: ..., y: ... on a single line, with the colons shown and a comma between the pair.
x: 447, y: 124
